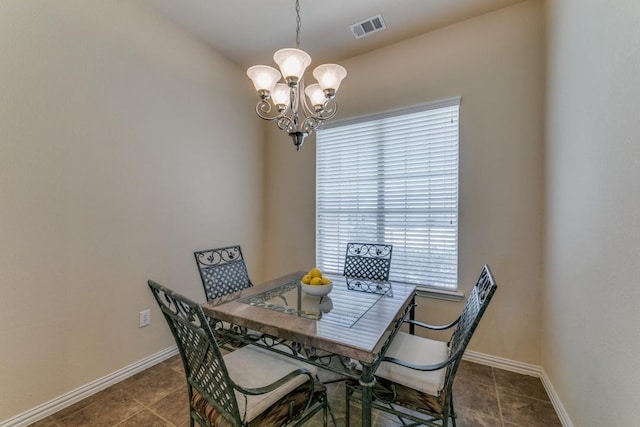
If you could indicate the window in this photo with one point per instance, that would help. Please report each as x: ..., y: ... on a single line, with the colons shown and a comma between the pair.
x: 392, y: 178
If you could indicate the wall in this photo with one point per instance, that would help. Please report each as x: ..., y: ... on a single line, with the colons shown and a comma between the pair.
x: 590, y: 300
x: 290, y: 234
x: 495, y: 63
x: 125, y: 147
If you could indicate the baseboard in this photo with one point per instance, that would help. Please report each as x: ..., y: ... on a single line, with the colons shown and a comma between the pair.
x: 44, y: 410
x: 500, y: 363
x: 525, y: 369
x: 555, y: 400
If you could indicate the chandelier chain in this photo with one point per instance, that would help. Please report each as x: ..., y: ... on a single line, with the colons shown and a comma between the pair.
x: 298, y: 24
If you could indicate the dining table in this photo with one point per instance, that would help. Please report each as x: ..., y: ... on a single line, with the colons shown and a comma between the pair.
x: 346, y: 331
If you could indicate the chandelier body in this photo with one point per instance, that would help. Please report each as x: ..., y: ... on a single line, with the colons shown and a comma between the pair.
x: 293, y: 113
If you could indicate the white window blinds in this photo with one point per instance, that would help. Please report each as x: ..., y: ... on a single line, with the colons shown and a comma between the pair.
x: 392, y: 179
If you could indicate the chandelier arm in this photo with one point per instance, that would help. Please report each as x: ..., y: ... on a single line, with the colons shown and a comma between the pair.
x: 307, y: 111
x: 329, y: 110
x: 311, y: 123
x: 286, y: 124
x: 263, y: 108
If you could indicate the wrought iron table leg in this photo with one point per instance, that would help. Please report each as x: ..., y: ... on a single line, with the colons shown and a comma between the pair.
x: 367, y: 380
x: 412, y: 315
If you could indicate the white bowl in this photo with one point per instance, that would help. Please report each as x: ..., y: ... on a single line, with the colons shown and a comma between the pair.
x: 317, y: 290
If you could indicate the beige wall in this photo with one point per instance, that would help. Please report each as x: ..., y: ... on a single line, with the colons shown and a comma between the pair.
x: 495, y: 63
x: 126, y: 145
x: 122, y: 137
x: 591, y: 346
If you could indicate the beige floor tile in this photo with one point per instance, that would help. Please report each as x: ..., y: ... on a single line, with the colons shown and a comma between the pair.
x: 103, y: 394
x: 46, y: 422
x: 476, y: 396
x: 476, y: 372
x: 528, y: 412
x: 174, y: 363
x: 473, y: 418
x: 145, y: 418
x: 151, y: 388
x: 106, y: 412
x: 523, y: 385
x: 173, y: 407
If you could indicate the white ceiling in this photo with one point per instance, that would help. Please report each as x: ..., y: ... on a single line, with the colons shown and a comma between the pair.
x: 248, y: 32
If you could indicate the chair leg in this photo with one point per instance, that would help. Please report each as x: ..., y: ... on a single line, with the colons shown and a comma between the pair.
x: 325, y: 409
x: 452, y: 413
x: 347, y: 394
x: 333, y: 417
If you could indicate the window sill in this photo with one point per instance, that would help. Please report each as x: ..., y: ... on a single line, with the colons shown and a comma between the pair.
x: 433, y: 293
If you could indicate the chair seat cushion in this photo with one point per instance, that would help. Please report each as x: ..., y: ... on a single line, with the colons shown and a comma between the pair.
x: 276, y: 415
x: 252, y: 367
x: 420, y: 351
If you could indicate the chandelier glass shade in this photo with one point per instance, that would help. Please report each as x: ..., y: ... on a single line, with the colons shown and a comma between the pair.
x: 285, y: 102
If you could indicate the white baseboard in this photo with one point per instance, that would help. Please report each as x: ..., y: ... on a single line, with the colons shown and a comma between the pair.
x: 500, y: 363
x: 525, y: 369
x: 44, y: 410
x: 555, y: 400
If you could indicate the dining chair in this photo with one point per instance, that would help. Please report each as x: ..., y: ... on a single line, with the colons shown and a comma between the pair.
x: 370, y: 261
x: 414, y: 380
x: 223, y: 271
x: 246, y: 387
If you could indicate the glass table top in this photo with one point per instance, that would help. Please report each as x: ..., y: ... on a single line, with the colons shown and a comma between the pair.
x: 352, y: 320
x: 347, y: 302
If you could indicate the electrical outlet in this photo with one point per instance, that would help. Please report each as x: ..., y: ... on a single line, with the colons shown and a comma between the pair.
x: 145, y: 318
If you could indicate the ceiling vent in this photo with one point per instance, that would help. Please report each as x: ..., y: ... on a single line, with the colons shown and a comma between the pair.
x: 368, y: 26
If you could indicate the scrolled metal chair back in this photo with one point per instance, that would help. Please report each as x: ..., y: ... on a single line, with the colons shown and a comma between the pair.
x: 223, y: 271
x: 472, y: 312
x: 204, y: 365
x: 368, y: 261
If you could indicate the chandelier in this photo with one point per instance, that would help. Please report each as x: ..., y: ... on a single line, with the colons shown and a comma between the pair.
x: 294, y: 114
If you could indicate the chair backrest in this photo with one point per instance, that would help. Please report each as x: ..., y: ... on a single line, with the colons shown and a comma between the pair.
x: 368, y: 261
x: 472, y: 312
x: 203, y: 362
x: 222, y: 271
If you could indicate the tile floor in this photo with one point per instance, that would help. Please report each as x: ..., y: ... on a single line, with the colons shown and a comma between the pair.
x: 484, y: 397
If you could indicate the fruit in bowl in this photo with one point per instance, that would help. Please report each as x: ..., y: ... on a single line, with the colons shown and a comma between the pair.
x: 314, y: 283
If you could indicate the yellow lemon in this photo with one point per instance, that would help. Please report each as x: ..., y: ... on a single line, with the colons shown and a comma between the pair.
x: 315, y: 272
x: 306, y: 279
x: 326, y: 281
x: 316, y: 281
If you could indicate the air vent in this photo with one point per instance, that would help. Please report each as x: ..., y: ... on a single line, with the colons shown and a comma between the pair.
x: 368, y: 27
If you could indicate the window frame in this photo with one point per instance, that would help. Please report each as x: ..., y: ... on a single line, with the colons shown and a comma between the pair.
x: 449, y: 292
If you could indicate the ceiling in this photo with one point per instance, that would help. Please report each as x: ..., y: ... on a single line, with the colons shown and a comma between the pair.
x: 248, y: 32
